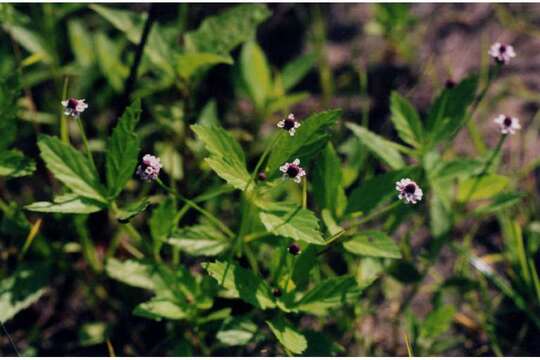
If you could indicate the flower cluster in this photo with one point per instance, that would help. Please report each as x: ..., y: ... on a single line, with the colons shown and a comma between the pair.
x: 149, y: 168
x: 409, y: 191
x: 74, y: 107
x: 289, y: 124
x: 507, y: 124
x: 293, y: 170
x: 502, y: 53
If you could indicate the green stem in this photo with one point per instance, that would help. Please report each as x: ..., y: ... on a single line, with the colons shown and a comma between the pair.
x: 85, y: 142
x: 64, y: 133
x: 262, y: 158
x: 293, y: 265
x: 304, y: 193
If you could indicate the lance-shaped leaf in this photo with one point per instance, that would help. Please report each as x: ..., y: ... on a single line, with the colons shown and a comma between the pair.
x: 242, y: 283
x: 309, y: 139
x: 255, y: 73
x: 226, y: 156
x: 162, y: 221
x: 199, y: 240
x: 134, y: 273
x: 67, y: 204
x: 327, y: 188
x: 291, y: 339
x: 125, y: 214
x: 123, y: 150
x: 237, y: 331
x: 13, y: 163
x: 292, y: 221
x: 157, y: 309
x: 71, y: 167
x: 373, y: 243
x: 296, y: 70
x: 386, y: 150
x: 406, y: 120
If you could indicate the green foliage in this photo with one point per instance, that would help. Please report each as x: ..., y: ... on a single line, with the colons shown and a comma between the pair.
x: 327, y: 182
x: 199, y: 240
x: 255, y: 73
x: 14, y: 164
x: 68, y: 204
x: 237, y: 331
x: 157, y: 309
x: 406, y: 120
x: 482, y: 188
x: 162, y: 222
x: 373, y: 243
x: 291, y: 339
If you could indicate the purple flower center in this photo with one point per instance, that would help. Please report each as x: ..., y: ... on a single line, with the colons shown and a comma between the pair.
x: 410, y: 188
x: 507, y: 121
x: 293, y: 170
x: 72, y: 103
x: 288, y: 124
x: 502, y: 49
x: 294, y: 249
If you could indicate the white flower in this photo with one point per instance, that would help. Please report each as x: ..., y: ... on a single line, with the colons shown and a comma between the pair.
x: 502, y: 53
x: 507, y: 124
x: 149, y: 168
x: 409, y: 191
x: 289, y: 124
x: 74, y: 107
x: 293, y: 170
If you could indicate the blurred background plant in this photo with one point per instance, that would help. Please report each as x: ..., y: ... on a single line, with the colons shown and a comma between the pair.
x: 456, y: 275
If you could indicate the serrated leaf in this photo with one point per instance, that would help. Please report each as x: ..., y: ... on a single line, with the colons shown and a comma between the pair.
x: 71, y: 167
x: 291, y: 339
x: 327, y: 182
x: 329, y: 293
x: 125, y: 214
x: 457, y: 168
x: 67, y: 204
x: 478, y: 188
x: 199, y: 240
x: 237, y: 331
x: 373, y: 243
x: 13, y: 163
x: 386, y: 150
x: 309, y: 139
x: 227, y: 158
x: 242, y: 283
x: 188, y: 64
x: 255, y: 73
x: 296, y: 70
x: 123, y: 150
x: 437, y: 322
x: 406, y: 120
x: 162, y: 221
x: 499, y: 202
x: 378, y: 189
x: 157, y: 309
x: 292, y: 221
x: 240, y: 22
x: 133, y: 272
x: 22, y: 289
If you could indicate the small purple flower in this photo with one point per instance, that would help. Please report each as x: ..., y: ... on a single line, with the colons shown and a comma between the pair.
x: 74, y: 107
x: 289, y: 124
x: 502, y: 53
x: 507, y: 124
x: 409, y: 191
x: 149, y: 168
x: 293, y: 170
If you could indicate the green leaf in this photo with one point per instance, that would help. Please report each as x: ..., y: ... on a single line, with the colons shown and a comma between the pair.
x: 237, y: 331
x: 127, y: 213
x: 296, y: 70
x: 93, y: 333
x: 386, y: 150
x: 22, y: 289
x: 209, y: 114
x: 9, y: 93
x: 437, y: 322
x: 13, y: 163
x: 441, y: 216
x: 292, y: 221
x: 406, y: 120
x: 81, y: 42
x: 170, y: 159
x: 291, y: 339
x: 447, y: 115
x: 110, y: 61
x: 478, y: 188
x: 240, y: 23
x: 320, y: 344
x: 226, y: 156
x: 71, y: 167
x: 67, y: 204
x: 305, y: 262
x: 309, y: 139
x: 123, y: 150
x: 499, y: 202
x: 255, y: 73
x: 378, y: 189
x: 188, y: 64
x: 327, y: 180
x: 162, y: 221
x: 157, y: 309
x: 457, y: 168
x: 328, y: 294
x: 133, y: 272
x: 373, y: 243
x: 242, y: 283
x: 32, y: 41
x: 200, y: 240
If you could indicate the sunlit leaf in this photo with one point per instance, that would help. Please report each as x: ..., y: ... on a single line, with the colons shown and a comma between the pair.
x: 67, y: 204
x: 291, y: 339
x: 373, y: 243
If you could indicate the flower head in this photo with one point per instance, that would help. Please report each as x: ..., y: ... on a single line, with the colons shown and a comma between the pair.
x: 74, y: 107
x: 502, y: 53
x: 507, y: 124
x: 409, y: 191
x: 289, y: 124
x: 294, y: 249
x: 293, y: 170
x: 149, y: 168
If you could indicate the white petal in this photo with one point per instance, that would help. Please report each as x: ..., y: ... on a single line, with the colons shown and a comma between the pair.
x: 296, y: 162
x: 292, y: 131
x: 297, y: 179
x: 281, y: 124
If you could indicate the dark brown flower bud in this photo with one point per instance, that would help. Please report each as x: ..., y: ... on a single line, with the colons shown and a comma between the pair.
x: 294, y: 249
x: 262, y: 176
x: 276, y: 292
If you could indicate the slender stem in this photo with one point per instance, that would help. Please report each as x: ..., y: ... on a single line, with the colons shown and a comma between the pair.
x: 304, y: 193
x: 293, y: 265
x: 64, y: 133
x: 262, y: 158
x: 10, y: 339
x: 85, y: 142
x: 486, y: 167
